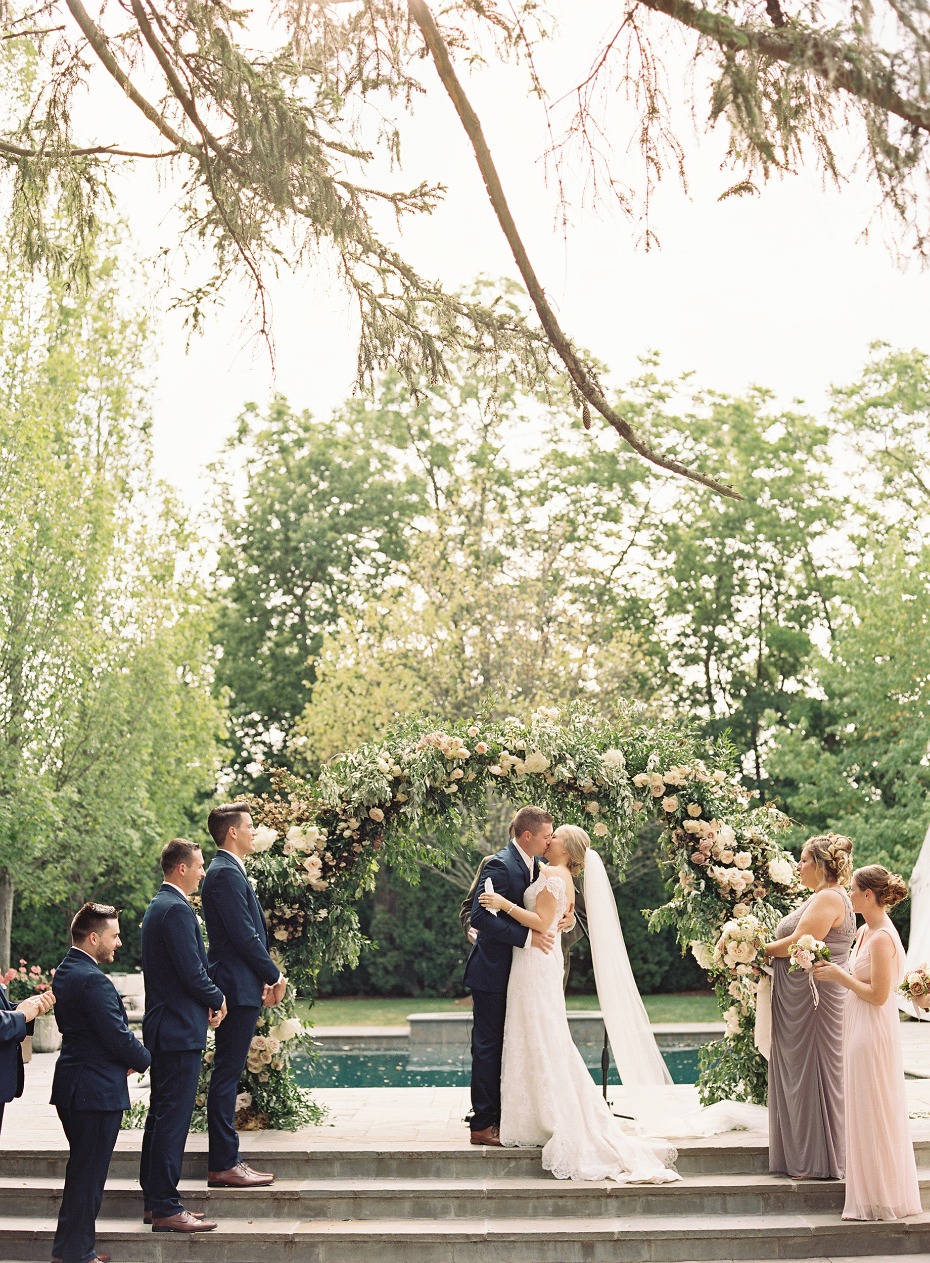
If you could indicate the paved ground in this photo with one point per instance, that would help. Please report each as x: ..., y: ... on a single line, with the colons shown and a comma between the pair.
x: 383, y: 1115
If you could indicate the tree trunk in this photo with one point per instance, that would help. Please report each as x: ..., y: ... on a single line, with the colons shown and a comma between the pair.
x: 6, y: 917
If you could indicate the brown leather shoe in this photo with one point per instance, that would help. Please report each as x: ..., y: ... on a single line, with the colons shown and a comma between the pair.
x: 239, y: 1176
x: 183, y: 1221
x: 147, y: 1217
x: 490, y: 1136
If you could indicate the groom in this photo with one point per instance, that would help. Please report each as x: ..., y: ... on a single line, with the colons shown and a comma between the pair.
x: 488, y: 969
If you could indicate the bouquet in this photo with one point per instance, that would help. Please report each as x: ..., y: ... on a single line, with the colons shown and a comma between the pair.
x: 916, y: 986
x: 26, y: 981
x: 804, y: 955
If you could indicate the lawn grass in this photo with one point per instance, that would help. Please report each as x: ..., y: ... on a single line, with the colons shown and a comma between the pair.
x: 383, y: 1011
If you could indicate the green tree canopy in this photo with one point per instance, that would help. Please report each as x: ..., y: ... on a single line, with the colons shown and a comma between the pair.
x: 108, y: 734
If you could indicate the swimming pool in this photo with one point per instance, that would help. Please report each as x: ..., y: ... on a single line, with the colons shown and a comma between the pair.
x: 352, y: 1068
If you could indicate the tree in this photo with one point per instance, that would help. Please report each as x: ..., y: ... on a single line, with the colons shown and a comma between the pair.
x: 271, y: 130
x: 313, y: 519
x: 514, y: 581
x: 742, y: 591
x: 857, y: 761
x: 107, y: 730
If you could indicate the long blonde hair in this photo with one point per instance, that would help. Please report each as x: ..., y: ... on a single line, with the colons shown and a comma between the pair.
x: 576, y: 843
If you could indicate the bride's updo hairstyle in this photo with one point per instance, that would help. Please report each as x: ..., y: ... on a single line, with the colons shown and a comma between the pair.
x: 832, y: 853
x: 576, y: 843
x: 887, y: 887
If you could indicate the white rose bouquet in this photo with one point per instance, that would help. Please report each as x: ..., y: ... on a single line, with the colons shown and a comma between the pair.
x: 804, y: 955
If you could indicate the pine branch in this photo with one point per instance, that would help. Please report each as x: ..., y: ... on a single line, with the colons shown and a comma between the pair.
x: 841, y: 64
x: 579, y: 373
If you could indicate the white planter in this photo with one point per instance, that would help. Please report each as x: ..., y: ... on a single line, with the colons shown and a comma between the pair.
x: 47, y: 1036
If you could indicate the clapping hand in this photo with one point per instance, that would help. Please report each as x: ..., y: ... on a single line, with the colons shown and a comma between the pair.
x: 35, y: 1005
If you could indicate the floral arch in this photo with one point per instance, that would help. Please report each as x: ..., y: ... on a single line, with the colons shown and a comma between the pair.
x: 321, y: 842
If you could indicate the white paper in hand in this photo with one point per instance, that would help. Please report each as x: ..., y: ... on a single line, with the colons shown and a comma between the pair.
x: 489, y: 890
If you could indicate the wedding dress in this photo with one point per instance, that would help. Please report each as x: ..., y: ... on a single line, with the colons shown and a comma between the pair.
x: 548, y: 1097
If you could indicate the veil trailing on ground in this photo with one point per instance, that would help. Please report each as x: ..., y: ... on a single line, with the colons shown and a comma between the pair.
x: 654, y: 1101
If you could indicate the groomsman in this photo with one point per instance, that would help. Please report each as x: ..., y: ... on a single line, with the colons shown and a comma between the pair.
x: 98, y: 1053
x: 13, y: 1020
x: 242, y: 968
x: 180, y: 1001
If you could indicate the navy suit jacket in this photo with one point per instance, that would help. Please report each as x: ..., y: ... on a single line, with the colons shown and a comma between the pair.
x: 178, y: 990
x: 97, y: 1046
x: 12, y: 1034
x: 488, y: 965
x: 237, y: 932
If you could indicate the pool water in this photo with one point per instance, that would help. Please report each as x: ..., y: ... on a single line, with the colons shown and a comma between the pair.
x: 351, y: 1069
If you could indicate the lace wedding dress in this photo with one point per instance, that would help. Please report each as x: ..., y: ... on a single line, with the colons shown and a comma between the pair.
x: 548, y: 1097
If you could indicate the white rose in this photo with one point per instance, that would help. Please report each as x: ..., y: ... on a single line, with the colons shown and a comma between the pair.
x: 473, y: 732
x: 742, y: 859
x: 601, y: 830
x: 535, y: 762
x: 376, y: 814
x: 733, y: 1021
x: 592, y: 808
x: 613, y: 758
x: 481, y: 747
x: 702, y: 953
x: 264, y: 838
x: 726, y: 835
x: 781, y: 871
x: 726, y: 857
x: 670, y: 804
x: 243, y: 1100
x: 288, y: 1029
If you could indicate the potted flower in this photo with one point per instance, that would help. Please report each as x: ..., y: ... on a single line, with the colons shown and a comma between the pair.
x: 20, y: 984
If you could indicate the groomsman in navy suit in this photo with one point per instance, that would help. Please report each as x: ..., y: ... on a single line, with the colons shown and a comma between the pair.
x: 98, y: 1053
x: 13, y: 1020
x: 180, y: 1001
x: 242, y: 968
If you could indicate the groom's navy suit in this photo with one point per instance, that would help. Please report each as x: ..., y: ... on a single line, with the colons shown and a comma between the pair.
x: 487, y: 974
x: 241, y: 966
x: 178, y: 996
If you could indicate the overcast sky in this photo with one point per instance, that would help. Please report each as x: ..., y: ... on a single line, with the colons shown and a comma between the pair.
x: 778, y: 290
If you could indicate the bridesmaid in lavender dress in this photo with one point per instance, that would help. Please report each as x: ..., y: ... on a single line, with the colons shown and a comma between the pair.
x: 881, y: 1173
x: 806, y: 1123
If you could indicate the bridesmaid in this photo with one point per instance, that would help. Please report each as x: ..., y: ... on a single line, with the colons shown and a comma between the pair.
x: 806, y: 1123
x: 881, y: 1173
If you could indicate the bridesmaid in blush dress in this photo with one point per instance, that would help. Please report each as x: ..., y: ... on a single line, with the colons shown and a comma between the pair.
x: 806, y: 1131
x: 881, y: 1173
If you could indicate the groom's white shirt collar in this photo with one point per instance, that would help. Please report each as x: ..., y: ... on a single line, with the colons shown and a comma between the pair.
x: 527, y: 859
x: 174, y: 886
x: 233, y: 856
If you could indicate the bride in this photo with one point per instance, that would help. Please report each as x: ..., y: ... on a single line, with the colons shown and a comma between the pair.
x: 548, y: 1097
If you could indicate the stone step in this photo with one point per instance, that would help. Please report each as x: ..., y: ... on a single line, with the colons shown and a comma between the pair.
x: 538, y: 1198
x: 732, y: 1154
x: 672, y: 1238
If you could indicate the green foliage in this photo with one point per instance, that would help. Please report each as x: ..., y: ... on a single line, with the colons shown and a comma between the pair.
x: 108, y: 734
x: 314, y: 517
